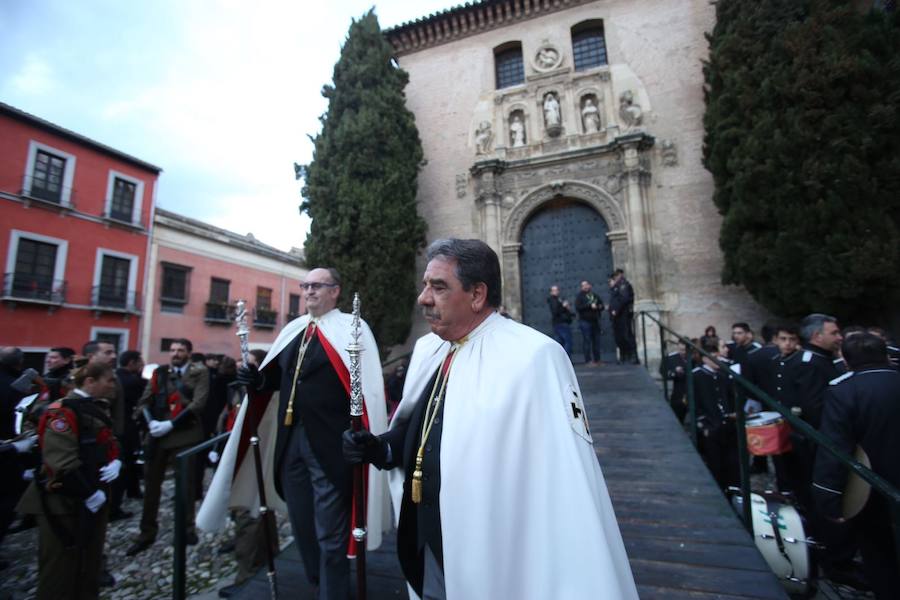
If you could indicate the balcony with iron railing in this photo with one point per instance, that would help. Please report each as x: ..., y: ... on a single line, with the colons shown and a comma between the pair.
x: 33, y: 288
x: 219, y: 313
x: 107, y: 298
x: 50, y: 196
x: 264, y: 318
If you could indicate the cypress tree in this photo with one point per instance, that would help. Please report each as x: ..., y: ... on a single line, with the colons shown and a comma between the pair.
x: 802, y: 136
x: 360, y: 188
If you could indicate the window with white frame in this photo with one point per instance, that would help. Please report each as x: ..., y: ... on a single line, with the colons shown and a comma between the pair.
x: 124, y: 197
x: 175, y: 287
x: 35, y: 267
x: 116, y: 336
x: 115, y: 280
x: 49, y: 173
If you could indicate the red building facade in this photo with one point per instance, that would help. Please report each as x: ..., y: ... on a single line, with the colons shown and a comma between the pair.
x: 75, y: 224
x: 197, y: 274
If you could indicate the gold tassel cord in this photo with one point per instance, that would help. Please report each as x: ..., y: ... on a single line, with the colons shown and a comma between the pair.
x: 417, y: 478
x: 431, y: 411
x: 307, y: 336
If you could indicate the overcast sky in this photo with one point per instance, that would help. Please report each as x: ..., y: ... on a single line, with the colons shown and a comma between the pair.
x: 221, y: 94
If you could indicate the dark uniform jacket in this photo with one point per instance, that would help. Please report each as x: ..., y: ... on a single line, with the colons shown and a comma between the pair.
x: 741, y: 354
x: 775, y: 378
x: 755, y: 363
x: 179, y: 399
x: 714, y: 394
x: 860, y: 408
x: 76, y: 439
x: 668, y: 368
x: 810, y: 376
x: 621, y: 298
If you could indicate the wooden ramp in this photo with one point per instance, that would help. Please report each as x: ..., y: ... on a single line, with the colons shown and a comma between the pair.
x: 683, y: 539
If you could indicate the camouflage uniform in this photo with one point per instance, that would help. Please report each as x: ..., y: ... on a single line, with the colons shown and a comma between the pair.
x: 76, y: 438
x: 180, y: 399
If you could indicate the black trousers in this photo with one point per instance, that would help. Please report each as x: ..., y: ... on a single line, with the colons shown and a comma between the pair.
x: 623, y: 331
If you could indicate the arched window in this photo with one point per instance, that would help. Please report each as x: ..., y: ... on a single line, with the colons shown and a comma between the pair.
x: 508, y: 65
x: 588, y: 45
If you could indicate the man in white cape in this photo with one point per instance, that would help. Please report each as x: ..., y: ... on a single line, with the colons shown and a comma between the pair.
x: 306, y: 461
x: 494, y: 476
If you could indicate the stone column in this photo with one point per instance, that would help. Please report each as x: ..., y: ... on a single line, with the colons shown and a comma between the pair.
x: 640, y: 265
x: 640, y: 271
x: 488, y: 200
x: 512, y: 286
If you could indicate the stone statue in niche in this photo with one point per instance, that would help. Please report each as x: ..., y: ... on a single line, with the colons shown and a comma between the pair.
x: 517, y: 131
x: 551, y: 111
x: 483, y: 138
x: 590, y: 116
x: 629, y: 110
x: 668, y: 153
x: 547, y: 58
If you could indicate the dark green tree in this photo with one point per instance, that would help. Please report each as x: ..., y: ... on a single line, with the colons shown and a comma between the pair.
x: 802, y: 140
x: 360, y: 188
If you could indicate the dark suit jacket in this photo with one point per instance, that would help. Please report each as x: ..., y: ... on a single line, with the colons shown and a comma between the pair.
x: 321, y: 405
x: 418, y: 523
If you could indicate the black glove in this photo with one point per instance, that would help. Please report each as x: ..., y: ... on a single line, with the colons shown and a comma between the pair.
x: 363, y: 447
x: 249, y: 377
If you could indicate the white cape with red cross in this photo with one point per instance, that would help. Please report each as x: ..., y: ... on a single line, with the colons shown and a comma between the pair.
x: 524, y: 508
x: 235, y: 486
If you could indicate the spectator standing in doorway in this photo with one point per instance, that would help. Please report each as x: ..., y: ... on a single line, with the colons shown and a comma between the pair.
x: 561, y: 317
x: 589, y: 307
x: 621, y: 311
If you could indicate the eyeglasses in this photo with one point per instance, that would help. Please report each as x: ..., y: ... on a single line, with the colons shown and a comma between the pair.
x: 316, y: 286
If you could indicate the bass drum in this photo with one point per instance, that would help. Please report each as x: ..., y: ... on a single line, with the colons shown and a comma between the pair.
x: 779, y: 532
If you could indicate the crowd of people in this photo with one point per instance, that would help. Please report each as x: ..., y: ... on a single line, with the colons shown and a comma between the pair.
x: 90, y: 430
x: 844, y: 384
x: 589, y: 309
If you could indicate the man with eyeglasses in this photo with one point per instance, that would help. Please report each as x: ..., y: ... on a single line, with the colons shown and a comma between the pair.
x: 309, y: 365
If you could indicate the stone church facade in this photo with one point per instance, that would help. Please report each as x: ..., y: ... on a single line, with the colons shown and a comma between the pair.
x: 567, y: 134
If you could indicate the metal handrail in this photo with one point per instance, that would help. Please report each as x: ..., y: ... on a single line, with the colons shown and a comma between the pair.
x: 179, y: 554
x: 179, y: 543
x: 891, y: 494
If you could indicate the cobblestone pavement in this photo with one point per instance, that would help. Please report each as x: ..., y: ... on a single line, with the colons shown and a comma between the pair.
x: 143, y: 577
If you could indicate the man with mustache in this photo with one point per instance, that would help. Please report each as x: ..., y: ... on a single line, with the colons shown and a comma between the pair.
x: 493, y: 473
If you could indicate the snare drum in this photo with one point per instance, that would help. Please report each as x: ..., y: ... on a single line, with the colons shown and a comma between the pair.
x: 780, y: 535
x: 768, y: 433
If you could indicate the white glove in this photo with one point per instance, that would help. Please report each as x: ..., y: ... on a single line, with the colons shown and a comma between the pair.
x: 110, y: 471
x: 95, y: 501
x: 28, y: 474
x: 159, y: 428
x: 25, y: 445
x: 213, y: 456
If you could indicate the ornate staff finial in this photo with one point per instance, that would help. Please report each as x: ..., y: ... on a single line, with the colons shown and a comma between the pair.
x: 354, y: 350
x: 240, y: 319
